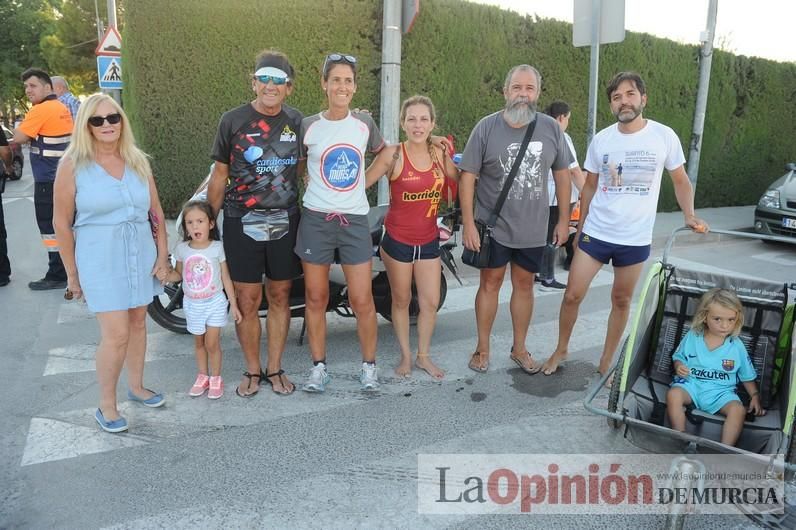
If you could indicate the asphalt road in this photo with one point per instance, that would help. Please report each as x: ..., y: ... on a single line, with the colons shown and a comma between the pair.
x: 339, y: 460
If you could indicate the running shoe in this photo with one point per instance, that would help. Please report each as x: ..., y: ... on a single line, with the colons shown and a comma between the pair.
x: 318, y: 379
x: 369, y: 377
x: 216, y: 389
x: 199, y: 387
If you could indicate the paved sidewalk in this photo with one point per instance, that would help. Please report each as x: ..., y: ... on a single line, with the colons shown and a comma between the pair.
x: 737, y: 218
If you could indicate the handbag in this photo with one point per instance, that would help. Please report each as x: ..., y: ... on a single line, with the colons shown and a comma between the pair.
x: 480, y: 258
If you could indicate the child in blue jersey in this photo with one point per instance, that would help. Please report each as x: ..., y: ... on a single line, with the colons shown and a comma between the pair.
x: 708, y: 364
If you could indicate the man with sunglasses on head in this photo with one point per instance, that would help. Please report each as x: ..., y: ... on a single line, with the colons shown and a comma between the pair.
x: 255, y: 181
x: 48, y: 128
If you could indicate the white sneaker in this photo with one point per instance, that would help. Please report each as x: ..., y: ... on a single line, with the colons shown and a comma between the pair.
x: 317, y: 380
x: 369, y: 377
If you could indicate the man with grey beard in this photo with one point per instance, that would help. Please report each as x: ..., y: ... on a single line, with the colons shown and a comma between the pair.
x: 520, y: 233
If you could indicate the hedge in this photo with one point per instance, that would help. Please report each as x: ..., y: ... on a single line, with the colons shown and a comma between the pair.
x: 188, y: 61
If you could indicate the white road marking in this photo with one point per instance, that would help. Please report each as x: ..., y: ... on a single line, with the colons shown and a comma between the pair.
x: 73, y: 311
x: 9, y: 200
x: 80, y: 357
x: 50, y: 440
x: 72, y: 433
x: 787, y: 259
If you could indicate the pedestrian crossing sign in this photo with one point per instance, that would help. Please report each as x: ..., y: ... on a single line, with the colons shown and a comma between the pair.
x: 109, y: 72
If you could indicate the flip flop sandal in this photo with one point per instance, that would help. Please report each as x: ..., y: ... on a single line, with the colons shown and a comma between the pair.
x: 247, y: 374
x: 476, y: 356
x: 529, y: 371
x: 267, y: 377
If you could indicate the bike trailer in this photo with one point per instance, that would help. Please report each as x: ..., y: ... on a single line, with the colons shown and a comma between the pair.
x: 643, y: 372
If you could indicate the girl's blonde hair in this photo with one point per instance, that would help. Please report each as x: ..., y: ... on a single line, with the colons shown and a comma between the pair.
x: 723, y: 297
x: 81, y: 149
x: 418, y: 100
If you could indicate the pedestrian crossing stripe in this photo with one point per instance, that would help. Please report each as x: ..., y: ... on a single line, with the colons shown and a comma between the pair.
x: 72, y: 432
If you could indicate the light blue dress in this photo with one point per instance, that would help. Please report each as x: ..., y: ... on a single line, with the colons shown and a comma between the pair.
x: 114, y: 248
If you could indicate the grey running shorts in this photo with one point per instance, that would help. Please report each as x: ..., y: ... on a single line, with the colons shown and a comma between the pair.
x: 321, y: 234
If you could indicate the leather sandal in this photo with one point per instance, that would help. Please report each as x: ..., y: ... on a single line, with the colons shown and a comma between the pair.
x: 247, y: 374
x: 279, y: 374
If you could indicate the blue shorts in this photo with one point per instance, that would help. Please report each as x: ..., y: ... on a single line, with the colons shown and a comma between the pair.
x: 710, y: 400
x: 529, y: 259
x: 409, y: 253
x: 617, y: 255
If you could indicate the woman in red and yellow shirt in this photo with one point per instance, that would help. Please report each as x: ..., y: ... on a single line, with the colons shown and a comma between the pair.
x: 410, y: 248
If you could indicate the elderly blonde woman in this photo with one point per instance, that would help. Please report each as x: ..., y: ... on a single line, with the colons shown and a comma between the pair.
x: 104, y: 192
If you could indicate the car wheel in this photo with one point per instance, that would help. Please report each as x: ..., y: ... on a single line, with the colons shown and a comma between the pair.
x: 17, y: 172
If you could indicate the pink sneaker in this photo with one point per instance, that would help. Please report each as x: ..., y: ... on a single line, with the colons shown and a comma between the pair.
x: 200, y: 385
x: 216, y: 387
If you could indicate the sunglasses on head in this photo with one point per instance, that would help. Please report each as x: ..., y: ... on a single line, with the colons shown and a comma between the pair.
x: 334, y: 57
x: 277, y: 80
x: 338, y: 58
x: 97, y: 121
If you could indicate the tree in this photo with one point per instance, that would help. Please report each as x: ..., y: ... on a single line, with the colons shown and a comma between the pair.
x: 24, y: 23
x: 69, y: 50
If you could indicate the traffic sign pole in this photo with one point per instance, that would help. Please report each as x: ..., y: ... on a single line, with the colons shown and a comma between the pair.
x: 594, y: 69
x: 390, y: 83
x: 115, y: 93
x: 596, y: 22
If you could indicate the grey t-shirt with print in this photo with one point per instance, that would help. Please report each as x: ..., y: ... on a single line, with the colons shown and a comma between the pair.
x: 490, y: 153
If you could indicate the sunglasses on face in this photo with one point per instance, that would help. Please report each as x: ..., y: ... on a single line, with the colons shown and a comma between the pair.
x: 97, y: 121
x: 264, y: 79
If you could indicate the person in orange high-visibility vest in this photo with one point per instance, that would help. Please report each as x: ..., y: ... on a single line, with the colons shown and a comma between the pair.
x: 574, y: 217
x: 48, y: 128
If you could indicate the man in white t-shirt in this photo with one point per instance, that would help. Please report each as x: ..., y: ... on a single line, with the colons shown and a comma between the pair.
x: 624, y: 165
x: 560, y: 111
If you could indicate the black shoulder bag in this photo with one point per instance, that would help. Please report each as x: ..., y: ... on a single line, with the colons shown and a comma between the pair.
x: 480, y: 259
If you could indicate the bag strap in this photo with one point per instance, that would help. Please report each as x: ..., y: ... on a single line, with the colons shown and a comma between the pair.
x: 513, y: 173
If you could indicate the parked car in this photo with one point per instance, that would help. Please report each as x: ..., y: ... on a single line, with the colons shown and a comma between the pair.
x: 776, y: 211
x: 18, y: 160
